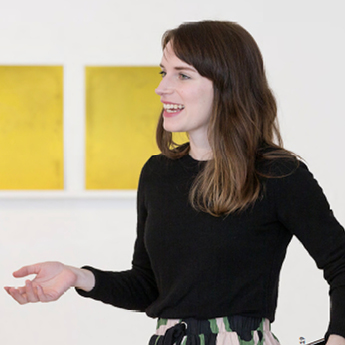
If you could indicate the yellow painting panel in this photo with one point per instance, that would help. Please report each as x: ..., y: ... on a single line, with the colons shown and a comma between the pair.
x: 31, y: 127
x: 122, y: 111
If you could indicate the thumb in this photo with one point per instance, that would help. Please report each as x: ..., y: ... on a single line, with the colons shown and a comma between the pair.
x: 27, y: 270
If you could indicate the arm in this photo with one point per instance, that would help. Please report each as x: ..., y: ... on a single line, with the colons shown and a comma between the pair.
x: 136, y: 288
x: 133, y: 289
x: 305, y: 212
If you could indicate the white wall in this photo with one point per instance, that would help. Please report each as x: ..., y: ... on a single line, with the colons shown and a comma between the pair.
x: 302, y: 42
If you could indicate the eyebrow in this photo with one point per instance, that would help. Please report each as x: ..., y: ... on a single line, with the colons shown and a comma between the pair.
x: 180, y: 68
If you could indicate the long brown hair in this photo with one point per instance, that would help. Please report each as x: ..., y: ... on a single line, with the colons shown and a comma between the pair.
x: 244, y: 116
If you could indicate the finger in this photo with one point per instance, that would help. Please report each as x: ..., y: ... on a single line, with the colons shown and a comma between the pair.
x: 20, y: 298
x: 41, y: 295
x: 10, y: 290
x: 31, y: 294
x: 21, y: 289
x: 27, y: 270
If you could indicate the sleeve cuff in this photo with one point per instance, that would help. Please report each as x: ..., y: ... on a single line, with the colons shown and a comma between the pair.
x: 92, y: 292
x: 337, y: 323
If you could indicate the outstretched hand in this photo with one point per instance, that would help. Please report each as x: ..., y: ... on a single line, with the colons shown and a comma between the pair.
x: 52, y: 280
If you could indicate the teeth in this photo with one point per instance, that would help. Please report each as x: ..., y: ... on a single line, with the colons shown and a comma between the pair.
x: 173, y: 106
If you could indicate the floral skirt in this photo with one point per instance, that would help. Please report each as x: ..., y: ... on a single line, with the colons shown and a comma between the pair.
x: 233, y: 330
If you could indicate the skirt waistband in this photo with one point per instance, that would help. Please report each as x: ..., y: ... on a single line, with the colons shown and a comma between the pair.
x: 176, y: 331
x: 235, y: 323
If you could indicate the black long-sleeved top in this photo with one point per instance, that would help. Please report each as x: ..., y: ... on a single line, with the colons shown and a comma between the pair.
x: 191, y: 264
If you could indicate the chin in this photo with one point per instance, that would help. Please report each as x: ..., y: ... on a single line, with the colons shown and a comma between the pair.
x: 171, y: 128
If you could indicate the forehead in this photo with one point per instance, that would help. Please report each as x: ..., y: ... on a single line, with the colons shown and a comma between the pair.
x: 169, y: 58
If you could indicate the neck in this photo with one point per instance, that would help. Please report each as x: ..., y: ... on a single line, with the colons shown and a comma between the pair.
x: 200, y: 151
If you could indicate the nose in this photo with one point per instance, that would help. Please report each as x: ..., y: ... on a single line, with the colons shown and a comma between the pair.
x: 164, y: 87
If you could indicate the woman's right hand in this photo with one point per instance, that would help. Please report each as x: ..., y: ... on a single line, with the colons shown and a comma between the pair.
x: 52, y: 280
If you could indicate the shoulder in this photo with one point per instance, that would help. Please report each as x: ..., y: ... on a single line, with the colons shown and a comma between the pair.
x: 277, y: 162
x: 291, y: 180
x: 284, y: 170
x: 277, y: 167
x: 285, y: 173
x: 157, y: 162
x: 158, y: 165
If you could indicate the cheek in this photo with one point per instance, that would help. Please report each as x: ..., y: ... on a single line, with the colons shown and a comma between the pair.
x: 197, y: 98
x: 206, y: 93
x: 207, y: 101
x: 200, y: 97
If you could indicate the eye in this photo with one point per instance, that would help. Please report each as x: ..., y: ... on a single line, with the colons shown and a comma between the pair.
x: 162, y: 73
x: 183, y: 76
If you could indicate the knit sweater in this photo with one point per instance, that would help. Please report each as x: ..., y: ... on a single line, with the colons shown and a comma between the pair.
x: 187, y: 263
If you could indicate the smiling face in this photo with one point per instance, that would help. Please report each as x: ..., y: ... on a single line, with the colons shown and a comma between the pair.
x: 187, y: 97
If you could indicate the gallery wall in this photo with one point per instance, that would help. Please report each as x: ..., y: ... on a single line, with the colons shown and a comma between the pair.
x: 301, y: 42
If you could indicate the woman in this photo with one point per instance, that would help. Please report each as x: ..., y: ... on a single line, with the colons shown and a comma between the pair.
x: 215, y: 215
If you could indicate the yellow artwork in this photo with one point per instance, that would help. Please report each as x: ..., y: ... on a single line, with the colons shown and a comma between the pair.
x: 122, y: 111
x: 31, y: 128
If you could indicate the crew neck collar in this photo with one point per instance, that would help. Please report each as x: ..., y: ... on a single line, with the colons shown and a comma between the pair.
x: 188, y: 160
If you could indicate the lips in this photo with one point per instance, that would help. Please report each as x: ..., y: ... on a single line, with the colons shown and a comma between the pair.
x: 172, y: 109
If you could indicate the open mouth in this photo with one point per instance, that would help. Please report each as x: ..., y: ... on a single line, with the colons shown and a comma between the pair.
x: 172, y: 108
